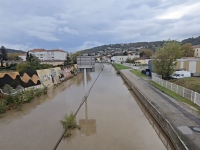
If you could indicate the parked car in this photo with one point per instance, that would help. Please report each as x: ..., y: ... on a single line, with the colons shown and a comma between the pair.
x: 180, y: 74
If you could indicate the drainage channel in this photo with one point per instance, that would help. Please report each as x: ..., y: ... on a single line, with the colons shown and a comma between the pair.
x: 82, y: 102
x: 160, y: 132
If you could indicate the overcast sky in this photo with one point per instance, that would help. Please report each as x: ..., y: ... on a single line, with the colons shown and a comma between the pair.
x: 79, y: 24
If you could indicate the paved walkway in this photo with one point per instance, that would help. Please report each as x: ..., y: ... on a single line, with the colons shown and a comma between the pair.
x: 182, y: 117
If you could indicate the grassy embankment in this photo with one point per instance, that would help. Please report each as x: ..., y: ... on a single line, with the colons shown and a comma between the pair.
x: 120, y: 67
x: 138, y: 73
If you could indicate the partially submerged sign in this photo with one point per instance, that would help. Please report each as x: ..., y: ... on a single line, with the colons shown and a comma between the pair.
x: 87, y: 62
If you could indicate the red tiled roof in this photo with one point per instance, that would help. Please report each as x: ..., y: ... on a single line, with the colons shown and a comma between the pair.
x: 43, y: 50
x: 196, y: 46
x: 37, y: 50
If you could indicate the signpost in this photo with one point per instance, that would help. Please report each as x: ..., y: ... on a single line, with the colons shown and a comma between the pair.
x: 86, y: 64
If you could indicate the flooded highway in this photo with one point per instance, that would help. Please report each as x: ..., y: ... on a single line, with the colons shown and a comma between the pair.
x: 110, y: 118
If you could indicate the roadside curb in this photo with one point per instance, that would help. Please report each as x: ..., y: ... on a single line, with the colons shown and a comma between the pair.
x: 163, y: 122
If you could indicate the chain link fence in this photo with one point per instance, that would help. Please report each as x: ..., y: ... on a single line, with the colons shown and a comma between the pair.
x: 184, y: 92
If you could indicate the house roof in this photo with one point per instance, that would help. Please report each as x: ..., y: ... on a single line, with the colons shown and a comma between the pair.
x: 196, y: 46
x: 56, y: 50
x: 37, y: 50
x: 43, y: 50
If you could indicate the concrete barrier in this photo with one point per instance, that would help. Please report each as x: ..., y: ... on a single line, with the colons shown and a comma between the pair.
x: 164, y: 123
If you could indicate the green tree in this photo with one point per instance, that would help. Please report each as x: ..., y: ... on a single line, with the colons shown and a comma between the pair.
x: 32, y: 64
x: 67, y: 61
x: 188, y: 50
x: 128, y: 60
x: 74, y: 57
x: 125, y: 53
x: 165, y: 58
x: 27, y: 56
x: 146, y: 53
x: 22, y: 67
x: 3, y: 55
x: 14, y: 56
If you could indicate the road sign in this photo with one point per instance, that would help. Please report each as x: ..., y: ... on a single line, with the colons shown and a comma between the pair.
x: 86, y: 62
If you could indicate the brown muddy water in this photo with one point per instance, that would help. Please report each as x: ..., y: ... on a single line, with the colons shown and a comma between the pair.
x: 110, y: 119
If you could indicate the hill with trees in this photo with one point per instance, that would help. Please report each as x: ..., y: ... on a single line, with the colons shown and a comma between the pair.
x: 14, y: 51
x: 138, y: 45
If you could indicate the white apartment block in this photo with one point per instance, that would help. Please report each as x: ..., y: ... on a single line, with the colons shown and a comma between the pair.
x: 124, y: 58
x: 43, y: 54
x: 196, y: 50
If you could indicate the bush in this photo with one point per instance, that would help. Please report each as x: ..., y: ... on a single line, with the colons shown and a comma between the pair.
x: 3, y: 106
x: 9, y: 99
x: 69, y: 123
x: 28, y: 96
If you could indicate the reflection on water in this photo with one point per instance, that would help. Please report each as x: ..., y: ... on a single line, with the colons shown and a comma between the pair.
x: 80, y: 78
x: 88, y: 126
x: 52, y: 93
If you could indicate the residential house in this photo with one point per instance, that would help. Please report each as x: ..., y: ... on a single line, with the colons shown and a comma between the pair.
x: 196, y: 50
x: 191, y: 64
x: 124, y: 58
x: 23, y: 56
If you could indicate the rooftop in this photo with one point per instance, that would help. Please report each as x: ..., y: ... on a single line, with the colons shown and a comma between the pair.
x: 196, y: 46
x: 43, y: 50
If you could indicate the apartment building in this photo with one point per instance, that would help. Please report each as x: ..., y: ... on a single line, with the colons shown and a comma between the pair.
x: 196, y: 50
x: 43, y: 54
x: 124, y: 58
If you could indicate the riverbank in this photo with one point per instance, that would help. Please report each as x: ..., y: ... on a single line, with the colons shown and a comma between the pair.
x: 16, y: 101
x: 169, y: 113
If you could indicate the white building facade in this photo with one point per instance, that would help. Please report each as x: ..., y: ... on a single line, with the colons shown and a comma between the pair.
x: 23, y: 57
x: 120, y: 59
x: 43, y: 54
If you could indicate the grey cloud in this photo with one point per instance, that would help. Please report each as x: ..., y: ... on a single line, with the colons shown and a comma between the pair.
x: 115, y: 19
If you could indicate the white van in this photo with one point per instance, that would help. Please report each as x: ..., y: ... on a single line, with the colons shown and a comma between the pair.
x: 181, y: 74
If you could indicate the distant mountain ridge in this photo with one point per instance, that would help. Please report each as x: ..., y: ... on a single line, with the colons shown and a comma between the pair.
x: 138, y: 45
x: 14, y: 51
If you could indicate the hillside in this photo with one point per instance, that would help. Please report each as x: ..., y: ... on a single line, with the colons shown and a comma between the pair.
x: 14, y: 51
x: 137, y: 46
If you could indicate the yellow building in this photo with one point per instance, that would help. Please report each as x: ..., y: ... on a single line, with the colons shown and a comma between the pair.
x: 196, y: 50
x: 190, y: 64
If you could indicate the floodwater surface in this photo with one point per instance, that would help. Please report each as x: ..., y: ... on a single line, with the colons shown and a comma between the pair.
x: 37, y: 126
x: 110, y: 119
